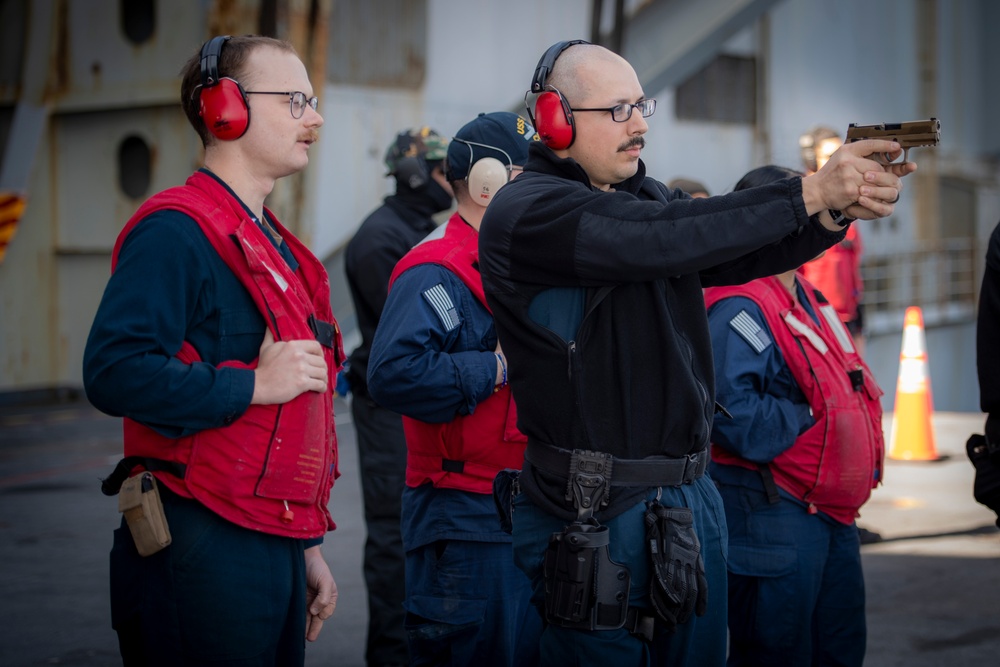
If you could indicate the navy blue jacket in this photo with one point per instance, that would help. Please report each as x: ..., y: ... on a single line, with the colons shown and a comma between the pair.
x: 432, y: 359
x: 768, y: 410
x: 383, y: 238
x: 422, y: 366
x: 171, y: 286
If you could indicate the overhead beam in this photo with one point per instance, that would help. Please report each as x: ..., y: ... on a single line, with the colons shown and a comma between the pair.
x: 669, y: 40
x: 31, y: 114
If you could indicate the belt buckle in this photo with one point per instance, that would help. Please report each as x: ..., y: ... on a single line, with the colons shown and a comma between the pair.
x: 692, y: 467
x: 588, y: 484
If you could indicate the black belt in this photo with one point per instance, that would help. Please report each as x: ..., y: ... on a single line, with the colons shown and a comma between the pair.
x: 113, y: 482
x: 652, y: 471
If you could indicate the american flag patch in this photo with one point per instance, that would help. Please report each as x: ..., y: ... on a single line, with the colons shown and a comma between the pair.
x: 439, y: 300
x: 750, y: 331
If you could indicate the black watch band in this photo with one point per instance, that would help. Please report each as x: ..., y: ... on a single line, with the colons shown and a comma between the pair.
x: 839, y: 218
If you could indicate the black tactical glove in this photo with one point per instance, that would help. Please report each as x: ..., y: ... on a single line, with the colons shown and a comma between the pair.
x: 985, y: 456
x: 678, y: 585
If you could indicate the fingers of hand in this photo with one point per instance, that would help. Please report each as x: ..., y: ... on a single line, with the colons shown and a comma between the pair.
x: 866, y: 147
x: 301, y: 363
x: 314, y: 378
x: 875, y: 208
x: 314, y: 619
x: 901, y: 169
x: 313, y: 626
x: 880, y: 178
x: 886, y: 194
x: 860, y: 212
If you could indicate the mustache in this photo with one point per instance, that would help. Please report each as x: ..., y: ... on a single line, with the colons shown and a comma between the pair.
x: 634, y: 142
x: 312, y: 136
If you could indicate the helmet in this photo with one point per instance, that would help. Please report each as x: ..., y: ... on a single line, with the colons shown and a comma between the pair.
x: 809, y: 143
x: 408, y: 155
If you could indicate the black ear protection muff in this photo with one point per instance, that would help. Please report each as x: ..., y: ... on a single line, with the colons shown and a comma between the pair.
x: 222, y: 101
x: 412, y: 171
x: 408, y: 169
x: 487, y: 174
x: 552, y: 117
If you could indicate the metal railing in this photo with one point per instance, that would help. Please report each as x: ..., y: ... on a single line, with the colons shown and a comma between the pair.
x: 942, y: 277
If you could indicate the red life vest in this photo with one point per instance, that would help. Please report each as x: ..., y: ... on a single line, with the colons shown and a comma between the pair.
x: 837, y: 274
x: 272, y: 469
x: 835, y: 464
x: 467, y: 452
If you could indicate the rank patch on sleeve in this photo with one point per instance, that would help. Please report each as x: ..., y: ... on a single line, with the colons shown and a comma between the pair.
x: 439, y: 300
x: 750, y: 331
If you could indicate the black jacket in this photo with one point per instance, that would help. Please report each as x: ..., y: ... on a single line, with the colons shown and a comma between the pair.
x: 987, y: 335
x: 626, y: 369
x: 383, y: 238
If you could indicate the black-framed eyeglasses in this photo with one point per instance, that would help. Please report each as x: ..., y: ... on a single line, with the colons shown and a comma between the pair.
x: 622, y: 112
x: 297, y: 100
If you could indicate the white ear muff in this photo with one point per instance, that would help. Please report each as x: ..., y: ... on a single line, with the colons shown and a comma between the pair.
x: 486, y: 177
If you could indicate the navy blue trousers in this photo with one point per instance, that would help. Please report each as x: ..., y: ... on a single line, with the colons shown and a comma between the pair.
x: 218, y: 595
x: 796, y: 588
x: 468, y: 605
x: 700, y: 642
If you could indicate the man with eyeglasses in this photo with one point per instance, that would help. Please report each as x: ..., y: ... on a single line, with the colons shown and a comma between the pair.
x: 215, y: 341
x: 594, y: 273
x: 436, y: 360
x: 415, y: 159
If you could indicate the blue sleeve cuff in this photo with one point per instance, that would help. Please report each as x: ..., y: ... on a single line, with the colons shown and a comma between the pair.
x: 240, y: 393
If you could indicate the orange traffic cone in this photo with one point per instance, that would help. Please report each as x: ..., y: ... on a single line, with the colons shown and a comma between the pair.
x: 912, y: 436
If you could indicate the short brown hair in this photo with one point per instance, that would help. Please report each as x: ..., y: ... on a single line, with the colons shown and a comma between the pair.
x: 232, y: 63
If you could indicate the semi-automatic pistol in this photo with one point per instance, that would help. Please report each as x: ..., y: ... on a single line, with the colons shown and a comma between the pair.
x: 909, y: 134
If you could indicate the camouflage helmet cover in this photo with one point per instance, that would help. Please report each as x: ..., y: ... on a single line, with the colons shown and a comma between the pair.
x: 418, y: 142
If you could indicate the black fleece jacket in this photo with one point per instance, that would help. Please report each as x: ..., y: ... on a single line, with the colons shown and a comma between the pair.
x: 987, y: 337
x: 383, y: 238
x: 626, y: 371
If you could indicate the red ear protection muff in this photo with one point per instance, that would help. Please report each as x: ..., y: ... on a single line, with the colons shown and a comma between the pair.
x: 554, y: 120
x: 552, y: 117
x: 222, y: 101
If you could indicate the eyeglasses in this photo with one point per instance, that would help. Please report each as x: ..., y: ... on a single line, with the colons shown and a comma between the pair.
x: 297, y: 100
x: 622, y: 112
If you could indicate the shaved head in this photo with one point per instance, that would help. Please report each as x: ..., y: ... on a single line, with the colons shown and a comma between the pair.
x: 593, y: 81
x: 571, y: 72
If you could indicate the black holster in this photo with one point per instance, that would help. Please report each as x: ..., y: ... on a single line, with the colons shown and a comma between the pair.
x: 584, y: 588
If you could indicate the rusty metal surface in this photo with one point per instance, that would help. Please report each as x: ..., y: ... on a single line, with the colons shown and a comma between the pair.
x: 390, y: 52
